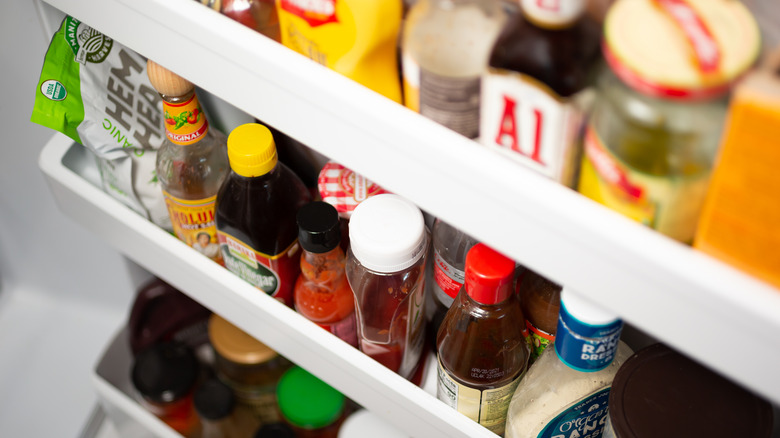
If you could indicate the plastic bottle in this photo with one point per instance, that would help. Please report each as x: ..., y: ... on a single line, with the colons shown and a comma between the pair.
x: 567, y: 390
x: 215, y: 404
x: 322, y: 293
x: 445, y: 274
x: 385, y: 268
x: 256, y: 208
x: 310, y: 406
x: 191, y: 164
x: 540, y: 299
x: 482, y: 353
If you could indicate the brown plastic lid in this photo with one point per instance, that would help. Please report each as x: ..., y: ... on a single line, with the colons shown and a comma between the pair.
x: 661, y: 393
x: 235, y: 345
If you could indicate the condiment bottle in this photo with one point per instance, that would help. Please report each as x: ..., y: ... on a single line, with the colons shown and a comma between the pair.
x: 249, y: 367
x: 165, y: 375
x: 540, y: 299
x: 534, y: 92
x: 659, y: 392
x: 215, y: 404
x: 310, y: 406
x: 274, y: 430
x: 385, y: 268
x: 567, y: 389
x: 256, y: 208
x: 192, y: 162
x: 259, y: 15
x: 445, y: 51
x: 446, y: 272
x: 482, y: 353
x: 656, y: 125
x: 322, y: 293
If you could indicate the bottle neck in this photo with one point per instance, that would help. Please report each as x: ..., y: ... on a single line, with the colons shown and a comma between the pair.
x: 185, y: 122
x: 552, y: 14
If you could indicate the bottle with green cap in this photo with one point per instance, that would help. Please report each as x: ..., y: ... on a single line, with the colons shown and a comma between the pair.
x: 255, y: 213
x: 311, y: 407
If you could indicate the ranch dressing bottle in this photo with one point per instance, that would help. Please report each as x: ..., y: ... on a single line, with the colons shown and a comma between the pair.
x: 565, y: 393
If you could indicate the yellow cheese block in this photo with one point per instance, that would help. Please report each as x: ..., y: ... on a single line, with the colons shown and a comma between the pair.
x: 740, y: 223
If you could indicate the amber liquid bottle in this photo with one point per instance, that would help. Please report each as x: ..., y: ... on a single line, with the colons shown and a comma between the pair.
x: 482, y: 352
x: 540, y: 299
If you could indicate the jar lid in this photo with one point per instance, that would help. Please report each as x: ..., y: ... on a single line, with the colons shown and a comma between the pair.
x: 689, y: 49
x: 489, y: 275
x: 306, y: 401
x: 251, y: 150
x: 318, y: 227
x: 165, y: 372
x: 235, y: 345
x: 659, y: 392
x: 345, y: 189
x: 387, y: 233
x: 214, y: 400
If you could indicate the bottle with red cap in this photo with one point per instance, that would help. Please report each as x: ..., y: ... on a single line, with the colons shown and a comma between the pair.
x: 482, y: 352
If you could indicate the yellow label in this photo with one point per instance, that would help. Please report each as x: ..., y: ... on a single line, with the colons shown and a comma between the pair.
x: 185, y: 122
x: 356, y: 38
x: 669, y: 204
x: 193, y: 223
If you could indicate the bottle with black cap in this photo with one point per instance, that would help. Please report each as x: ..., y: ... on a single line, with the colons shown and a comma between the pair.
x: 215, y: 404
x: 322, y: 293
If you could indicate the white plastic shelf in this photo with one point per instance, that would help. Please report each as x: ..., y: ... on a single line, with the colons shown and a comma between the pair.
x: 707, y: 309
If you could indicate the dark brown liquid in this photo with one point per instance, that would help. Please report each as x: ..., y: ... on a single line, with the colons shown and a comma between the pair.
x: 541, y: 301
x: 561, y: 59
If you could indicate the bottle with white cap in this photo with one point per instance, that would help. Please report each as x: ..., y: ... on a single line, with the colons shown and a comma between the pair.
x: 566, y: 391
x: 385, y: 268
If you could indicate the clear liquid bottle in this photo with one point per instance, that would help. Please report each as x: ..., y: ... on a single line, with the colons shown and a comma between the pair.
x: 446, y: 44
x: 191, y: 164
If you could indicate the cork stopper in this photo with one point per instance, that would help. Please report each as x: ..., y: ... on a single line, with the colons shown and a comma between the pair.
x: 166, y: 82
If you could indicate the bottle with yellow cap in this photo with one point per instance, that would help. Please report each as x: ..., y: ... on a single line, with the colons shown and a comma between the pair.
x: 191, y: 163
x: 256, y: 214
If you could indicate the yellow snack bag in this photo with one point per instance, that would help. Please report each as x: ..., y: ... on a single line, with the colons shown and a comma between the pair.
x: 357, y: 38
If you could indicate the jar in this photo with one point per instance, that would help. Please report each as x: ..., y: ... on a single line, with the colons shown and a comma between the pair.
x: 164, y: 375
x: 215, y: 404
x: 655, y: 129
x: 249, y: 367
x: 310, y: 406
x: 659, y: 392
x: 386, y: 270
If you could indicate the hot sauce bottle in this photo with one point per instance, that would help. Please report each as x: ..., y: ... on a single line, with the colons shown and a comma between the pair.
x: 256, y: 208
x: 482, y: 353
x: 540, y: 299
x: 322, y: 293
x: 532, y: 100
x: 191, y: 163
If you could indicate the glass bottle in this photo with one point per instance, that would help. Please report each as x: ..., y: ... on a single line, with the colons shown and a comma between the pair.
x: 322, y: 293
x: 446, y: 272
x: 256, y: 208
x: 540, y: 299
x: 259, y: 15
x: 532, y: 94
x: 191, y: 164
x: 215, y: 404
x: 311, y: 407
x: 567, y: 390
x: 385, y: 268
x: 482, y: 353
x: 446, y: 44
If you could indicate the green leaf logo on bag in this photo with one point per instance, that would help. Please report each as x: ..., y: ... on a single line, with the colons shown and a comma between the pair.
x: 87, y: 44
x: 53, y: 90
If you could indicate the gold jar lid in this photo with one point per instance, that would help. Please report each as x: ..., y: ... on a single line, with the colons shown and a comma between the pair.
x: 235, y: 345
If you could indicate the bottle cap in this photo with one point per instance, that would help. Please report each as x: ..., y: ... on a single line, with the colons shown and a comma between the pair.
x: 214, y: 400
x: 685, y: 49
x: 167, y: 82
x: 251, y: 150
x: 274, y: 430
x: 552, y: 14
x: 489, y: 275
x: 165, y: 372
x: 306, y: 401
x: 318, y: 227
x: 659, y: 392
x: 387, y: 233
x: 235, y: 345
x: 345, y: 189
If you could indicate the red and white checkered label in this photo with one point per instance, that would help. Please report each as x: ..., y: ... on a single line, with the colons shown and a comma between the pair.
x: 345, y: 189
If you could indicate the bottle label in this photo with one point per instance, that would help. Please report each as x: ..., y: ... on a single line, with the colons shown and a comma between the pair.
x: 346, y: 329
x: 586, y: 347
x: 669, y: 204
x: 448, y: 278
x: 314, y: 12
x: 258, y: 269
x: 185, y: 122
x: 451, y: 101
x: 537, y: 338
x: 552, y: 13
x: 584, y: 418
x: 524, y: 119
x: 193, y: 223
x: 488, y: 407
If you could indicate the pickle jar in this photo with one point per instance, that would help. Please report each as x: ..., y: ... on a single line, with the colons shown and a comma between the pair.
x: 654, y: 133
